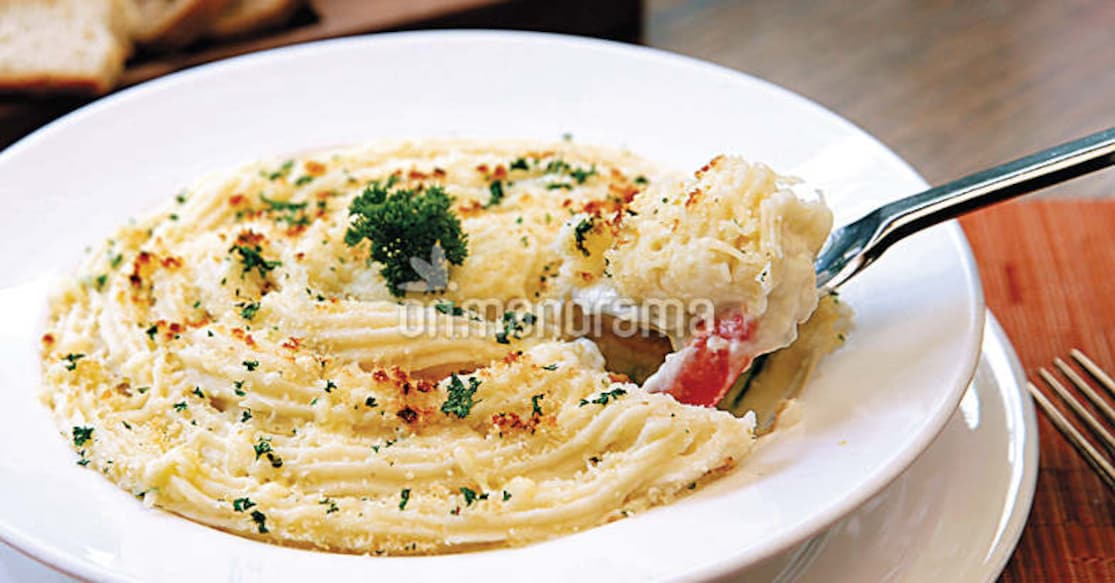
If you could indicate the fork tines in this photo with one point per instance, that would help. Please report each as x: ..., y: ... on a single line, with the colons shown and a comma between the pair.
x: 1100, y: 458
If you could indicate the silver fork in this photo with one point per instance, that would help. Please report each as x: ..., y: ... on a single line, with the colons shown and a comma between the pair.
x: 853, y: 247
x: 1100, y: 458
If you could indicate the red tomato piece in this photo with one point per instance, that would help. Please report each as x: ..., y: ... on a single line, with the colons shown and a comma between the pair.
x: 707, y: 373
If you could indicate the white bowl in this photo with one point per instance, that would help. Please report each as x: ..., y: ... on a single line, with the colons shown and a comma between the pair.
x: 870, y: 410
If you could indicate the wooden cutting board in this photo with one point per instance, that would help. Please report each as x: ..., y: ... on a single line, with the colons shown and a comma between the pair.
x: 1048, y: 271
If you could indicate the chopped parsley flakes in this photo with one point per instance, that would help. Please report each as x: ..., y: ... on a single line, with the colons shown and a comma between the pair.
x: 580, y: 232
x: 495, y: 190
x: 385, y: 445
x: 242, y: 504
x: 282, y: 171
x: 404, y: 497
x: 250, y: 365
x: 556, y: 166
x: 459, y: 400
x: 471, y: 496
x: 261, y: 521
x: 449, y: 308
x: 514, y: 326
x: 535, y: 408
x: 291, y: 213
x: 71, y: 360
x: 248, y: 310
x: 82, y: 435
x: 262, y: 447
x: 252, y: 258
x: 581, y: 174
x: 604, y: 397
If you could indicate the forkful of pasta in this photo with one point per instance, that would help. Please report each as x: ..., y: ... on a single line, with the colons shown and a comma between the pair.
x: 764, y: 272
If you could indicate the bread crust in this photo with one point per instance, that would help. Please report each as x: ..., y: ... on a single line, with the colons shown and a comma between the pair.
x: 189, y: 20
x: 90, y: 78
x: 243, y: 17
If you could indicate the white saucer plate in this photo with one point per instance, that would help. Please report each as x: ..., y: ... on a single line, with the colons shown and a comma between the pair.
x: 873, y: 406
x: 958, y: 512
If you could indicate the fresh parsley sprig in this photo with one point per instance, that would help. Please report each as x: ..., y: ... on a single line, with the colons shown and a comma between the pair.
x: 404, y: 225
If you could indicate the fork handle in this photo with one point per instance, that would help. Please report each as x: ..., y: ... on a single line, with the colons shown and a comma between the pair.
x: 1022, y: 176
x: 909, y: 215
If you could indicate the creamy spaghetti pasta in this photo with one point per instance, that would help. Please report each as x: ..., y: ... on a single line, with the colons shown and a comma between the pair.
x: 238, y: 357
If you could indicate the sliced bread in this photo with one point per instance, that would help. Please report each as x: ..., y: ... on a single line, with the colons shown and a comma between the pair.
x: 166, y: 24
x: 242, y: 17
x: 62, y: 45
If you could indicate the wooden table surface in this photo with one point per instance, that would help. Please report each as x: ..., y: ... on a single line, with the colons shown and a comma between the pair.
x: 952, y: 87
x: 1051, y: 292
